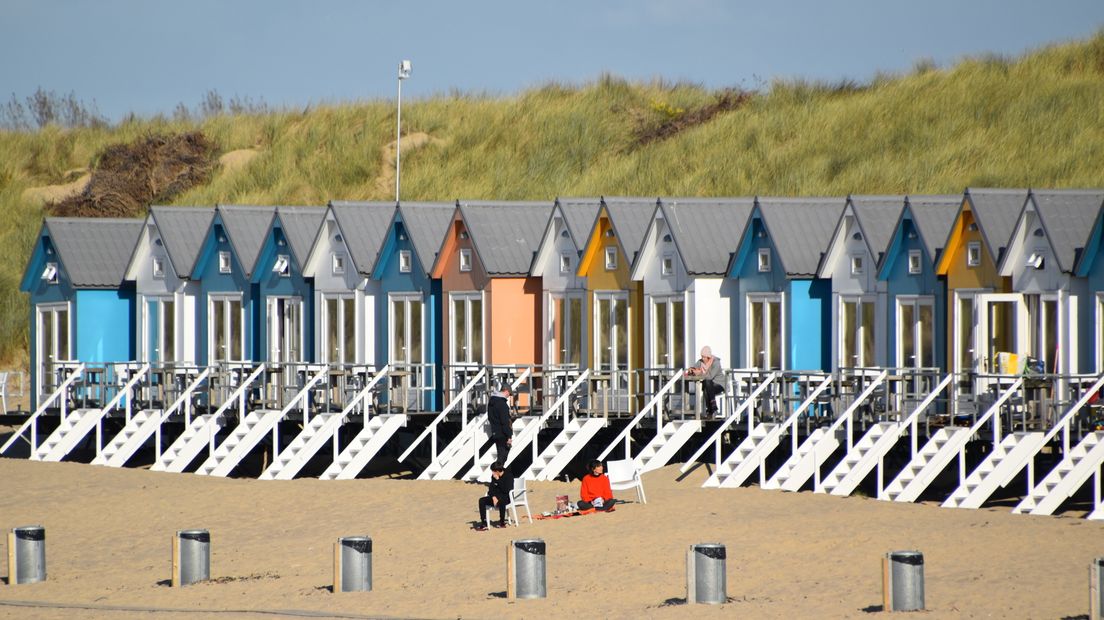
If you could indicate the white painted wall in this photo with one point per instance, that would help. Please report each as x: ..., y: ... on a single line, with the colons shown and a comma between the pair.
x: 846, y: 283
x: 712, y: 318
x: 183, y: 292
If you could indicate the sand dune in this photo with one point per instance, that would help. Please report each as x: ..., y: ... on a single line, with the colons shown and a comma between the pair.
x: 789, y: 554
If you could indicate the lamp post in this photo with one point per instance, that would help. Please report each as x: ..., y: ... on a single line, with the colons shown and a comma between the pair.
x: 404, y: 72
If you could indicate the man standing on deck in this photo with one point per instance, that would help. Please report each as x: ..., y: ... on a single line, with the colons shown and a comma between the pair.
x: 502, y: 429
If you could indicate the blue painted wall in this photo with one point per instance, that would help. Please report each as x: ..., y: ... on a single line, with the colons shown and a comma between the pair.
x: 900, y: 282
x: 808, y: 324
x: 103, y: 321
x: 1093, y: 271
x: 213, y: 282
x: 393, y: 281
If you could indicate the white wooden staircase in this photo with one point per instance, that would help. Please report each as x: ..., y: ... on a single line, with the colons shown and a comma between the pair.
x: 946, y: 444
x: 1080, y: 463
x: 525, y: 429
x: 369, y: 441
x: 1003, y: 464
x: 666, y: 444
x: 320, y: 429
x: 471, y: 432
x: 576, y: 434
x: 28, y: 431
x: 251, y: 430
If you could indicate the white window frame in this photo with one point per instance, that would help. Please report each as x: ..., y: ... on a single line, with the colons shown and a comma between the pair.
x: 467, y: 297
x: 669, y: 328
x: 764, y: 260
x: 915, y: 262
x: 573, y: 332
x: 157, y: 267
x: 1099, y: 332
x: 52, y: 309
x: 144, y: 326
x: 406, y: 299
x: 667, y: 264
x: 752, y: 357
x: 50, y: 273
x: 917, y: 335
x: 611, y: 258
x: 337, y: 263
x: 328, y: 356
x: 212, y: 299
x: 862, y: 300
x: 973, y: 254
x: 620, y: 371
x: 406, y: 262
x: 565, y: 263
x: 272, y: 325
x: 282, y: 266
x: 465, y: 259
x: 224, y: 262
x: 857, y: 264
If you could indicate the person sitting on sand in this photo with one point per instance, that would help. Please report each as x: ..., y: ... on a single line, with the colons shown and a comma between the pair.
x: 595, y: 489
x: 498, y: 495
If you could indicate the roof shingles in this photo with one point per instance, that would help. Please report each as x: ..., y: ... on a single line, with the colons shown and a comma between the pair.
x: 94, y: 252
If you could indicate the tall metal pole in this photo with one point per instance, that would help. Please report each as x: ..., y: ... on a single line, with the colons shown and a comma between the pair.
x: 398, y: 138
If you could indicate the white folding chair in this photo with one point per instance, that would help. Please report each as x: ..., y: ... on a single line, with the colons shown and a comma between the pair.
x: 4, y: 392
x: 519, y: 497
x: 625, y: 474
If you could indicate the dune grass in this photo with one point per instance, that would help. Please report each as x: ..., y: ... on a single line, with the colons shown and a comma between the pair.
x: 1035, y: 121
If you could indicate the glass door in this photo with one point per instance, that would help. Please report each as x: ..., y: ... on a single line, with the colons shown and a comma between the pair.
x: 406, y: 330
x: 1044, y: 324
x: 669, y: 332
x: 565, y: 329
x: 159, y: 330
x: 765, y: 342
x: 52, y: 345
x: 285, y: 329
x: 1002, y: 331
x: 467, y: 329
x: 856, y: 332
x: 915, y: 332
x: 339, y: 328
x: 611, y: 337
x: 225, y: 329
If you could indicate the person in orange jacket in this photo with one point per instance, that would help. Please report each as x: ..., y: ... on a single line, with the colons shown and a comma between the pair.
x: 595, y: 489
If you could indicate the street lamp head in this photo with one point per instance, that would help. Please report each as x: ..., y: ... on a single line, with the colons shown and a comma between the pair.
x: 404, y: 69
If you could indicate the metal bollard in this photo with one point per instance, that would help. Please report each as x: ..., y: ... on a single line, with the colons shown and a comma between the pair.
x: 1096, y: 589
x: 525, y: 569
x: 27, y: 554
x: 191, y: 557
x: 353, y: 564
x: 903, y: 581
x: 706, y: 574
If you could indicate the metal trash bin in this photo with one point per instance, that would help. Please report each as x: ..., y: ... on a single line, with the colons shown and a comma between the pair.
x: 1096, y: 589
x: 191, y: 557
x: 526, y: 573
x: 903, y: 581
x: 353, y: 564
x: 27, y: 554
x: 706, y: 575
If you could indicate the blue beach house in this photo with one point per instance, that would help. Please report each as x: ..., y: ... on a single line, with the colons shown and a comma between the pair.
x: 81, y: 308
x: 783, y: 314
x: 1090, y: 265
x: 916, y: 308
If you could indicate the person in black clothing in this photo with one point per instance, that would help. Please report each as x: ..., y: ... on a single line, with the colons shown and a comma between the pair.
x: 498, y: 415
x: 498, y: 495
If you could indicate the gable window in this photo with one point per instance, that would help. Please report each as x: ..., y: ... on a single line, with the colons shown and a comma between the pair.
x: 764, y: 260
x: 668, y: 265
x: 224, y: 262
x: 973, y: 254
x: 338, y: 263
x: 282, y: 265
x: 158, y: 267
x: 611, y: 258
x: 50, y: 273
x: 465, y: 260
x: 565, y: 263
x: 856, y: 265
x: 405, y: 261
x: 914, y: 264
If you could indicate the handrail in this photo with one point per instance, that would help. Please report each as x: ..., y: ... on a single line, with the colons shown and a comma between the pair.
x: 560, y: 402
x: 432, y: 428
x: 652, y: 404
x: 303, y: 396
x: 185, y: 397
x: 759, y: 389
x: 848, y: 414
x: 123, y: 392
x: 32, y: 421
x: 913, y: 417
x: 240, y: 391
x: 1005, y: 395
x: 363, y: 393
x: 1064, y: 423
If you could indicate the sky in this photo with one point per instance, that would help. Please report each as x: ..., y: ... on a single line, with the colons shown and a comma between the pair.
x: 146, y: 56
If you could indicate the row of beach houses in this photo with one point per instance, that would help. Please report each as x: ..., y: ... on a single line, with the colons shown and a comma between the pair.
x: 977, y: 282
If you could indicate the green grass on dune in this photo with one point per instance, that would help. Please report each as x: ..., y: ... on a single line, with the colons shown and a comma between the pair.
x: 1035, y: 121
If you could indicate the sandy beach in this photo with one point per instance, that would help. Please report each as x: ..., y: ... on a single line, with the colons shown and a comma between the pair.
x: 789, y: 554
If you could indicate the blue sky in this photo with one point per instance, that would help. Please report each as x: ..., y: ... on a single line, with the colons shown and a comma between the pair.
x: 148, y: 55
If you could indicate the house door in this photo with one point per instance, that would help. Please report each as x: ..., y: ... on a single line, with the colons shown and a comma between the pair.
x: 467, y: 329
x: 915, y: 332
x: 1002, y: 328
x: 158, y: 342
x: 405, y: 325
x: 225, y: 330
x: 339, y: 329
x: 611, y: 333
x: 565, y: 329
x: 52, y: 345
x: 1044, y: 324
x: 285, y: 329
x: 669, y: 332
x: 856, y: 332
x: 765, y: 341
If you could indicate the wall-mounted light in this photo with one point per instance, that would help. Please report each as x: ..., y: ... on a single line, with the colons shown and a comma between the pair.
x: 1035, y: 260
x: 912, y: 234
x: 972, y: 227
x: 761, y: 233
x: 280, y: 242
x: 1038, y: 232
x: 50, y: 273
x: 402, y: 236
x: 221, y: 239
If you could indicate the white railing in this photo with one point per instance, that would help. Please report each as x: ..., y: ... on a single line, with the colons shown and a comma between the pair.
x: 302, y: 397
x: 562, y: 402
x: 32, y: 422
x: 123, y: 394
x: 1063, y: 424
x: 357, y: 401
x: 848, y: 418
x: 239, y: 395
x: 651, y: 406
x: 430, y: 431
x: 715, y: 439
x: 185, y: 401
x: 913, y: 419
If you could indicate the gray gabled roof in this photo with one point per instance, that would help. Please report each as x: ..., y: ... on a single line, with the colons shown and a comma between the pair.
x: 182, y: 230
x: 364, y: 226
x: 877, y: 216
x: 706, y: 230
x: 934, y: 216
x: 426, y: 223
x: 301, y: 226
x: 801, y: 230
x: 630, y: 218
x: 506, y: 235
x: 996, y: 212
x: 94, y: 252
x: 247, y: 227
x: 579, y: 215
x: 1068, y: 217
